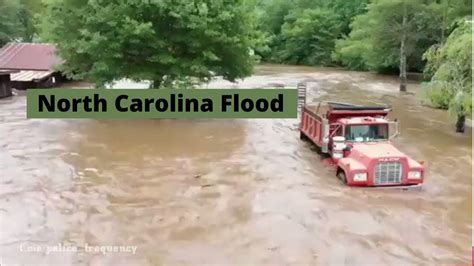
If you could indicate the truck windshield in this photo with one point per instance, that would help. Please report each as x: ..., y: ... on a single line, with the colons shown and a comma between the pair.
x: 361, y: 133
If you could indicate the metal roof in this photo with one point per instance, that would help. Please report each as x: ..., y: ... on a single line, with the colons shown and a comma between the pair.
x: 30, y: 75
x: 29, y: 56
x: 7, y: 72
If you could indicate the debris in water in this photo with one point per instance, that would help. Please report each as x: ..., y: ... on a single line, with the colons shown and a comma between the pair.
x: 91, y: 170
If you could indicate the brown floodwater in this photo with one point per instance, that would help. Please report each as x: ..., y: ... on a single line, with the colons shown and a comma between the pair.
x: 232, y: 192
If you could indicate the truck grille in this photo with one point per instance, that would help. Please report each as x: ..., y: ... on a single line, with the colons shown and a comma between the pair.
x: 388, y: 173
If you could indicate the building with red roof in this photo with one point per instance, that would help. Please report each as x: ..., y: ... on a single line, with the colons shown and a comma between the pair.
x: 35, y: 64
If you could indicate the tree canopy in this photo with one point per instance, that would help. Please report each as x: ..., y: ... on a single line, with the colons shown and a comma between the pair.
x: 18, y: 20
x: 163, y: 41
x: 309, y: 37
x: 298, y: 29
x: 9, y: 21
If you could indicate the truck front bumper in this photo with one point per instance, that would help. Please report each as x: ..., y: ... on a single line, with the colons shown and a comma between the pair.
x: 402, y: 187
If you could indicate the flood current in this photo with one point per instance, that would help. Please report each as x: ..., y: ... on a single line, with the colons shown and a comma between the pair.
x: 232, y: 192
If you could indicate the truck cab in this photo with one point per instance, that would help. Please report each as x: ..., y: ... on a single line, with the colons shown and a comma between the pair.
x: 357, y: 139
x: 368, y: 158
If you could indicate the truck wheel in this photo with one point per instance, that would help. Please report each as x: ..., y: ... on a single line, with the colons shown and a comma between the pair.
x: 303, y: 136
x: 342, y: 176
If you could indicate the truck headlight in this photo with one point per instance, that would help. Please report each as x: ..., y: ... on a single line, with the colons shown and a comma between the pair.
x: 360, y: 177
x: 414, y: 175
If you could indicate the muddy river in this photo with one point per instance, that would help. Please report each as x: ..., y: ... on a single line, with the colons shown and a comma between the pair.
x: 234, y: 192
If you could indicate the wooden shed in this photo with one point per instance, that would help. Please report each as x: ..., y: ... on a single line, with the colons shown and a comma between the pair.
x: 35, y: 65
x: 5, y: 83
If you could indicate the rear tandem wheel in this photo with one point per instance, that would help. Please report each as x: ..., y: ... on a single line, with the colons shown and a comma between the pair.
x: 303, y: 137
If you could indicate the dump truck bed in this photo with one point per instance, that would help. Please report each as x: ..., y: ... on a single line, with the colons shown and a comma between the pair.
x: 314, y: 126
x: 316, y: 120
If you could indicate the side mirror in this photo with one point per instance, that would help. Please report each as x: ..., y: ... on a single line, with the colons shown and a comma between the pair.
x: 394, y: 128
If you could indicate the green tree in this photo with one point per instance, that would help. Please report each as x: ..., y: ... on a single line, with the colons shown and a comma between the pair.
x: 451, y: 83
x: 29, y: 10
x: 451, y: 11
x: 273, y: 15
x: 17, y: 20
x: 357, y: 51
x: 309, y: 37
x: 346, y: 11
x: 162, y: 41
x: 393, y: 33
x: 10, y: 26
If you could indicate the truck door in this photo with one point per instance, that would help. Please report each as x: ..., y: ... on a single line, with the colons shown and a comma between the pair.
x: 336, y: 130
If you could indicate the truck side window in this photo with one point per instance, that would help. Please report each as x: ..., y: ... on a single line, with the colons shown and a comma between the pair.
x: 339, y: 132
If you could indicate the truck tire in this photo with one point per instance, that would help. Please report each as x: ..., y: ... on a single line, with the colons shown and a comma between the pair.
x: 303, y: 137
x: 342, y: 176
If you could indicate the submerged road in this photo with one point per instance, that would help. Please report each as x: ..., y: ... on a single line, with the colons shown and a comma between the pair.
x: 234, y: 192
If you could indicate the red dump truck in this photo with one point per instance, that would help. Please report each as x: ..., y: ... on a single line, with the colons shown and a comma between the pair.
x: 357, y: 140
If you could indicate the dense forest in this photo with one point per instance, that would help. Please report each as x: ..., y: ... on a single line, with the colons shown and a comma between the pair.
x: 358, y: 34
x: 169, y: 41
